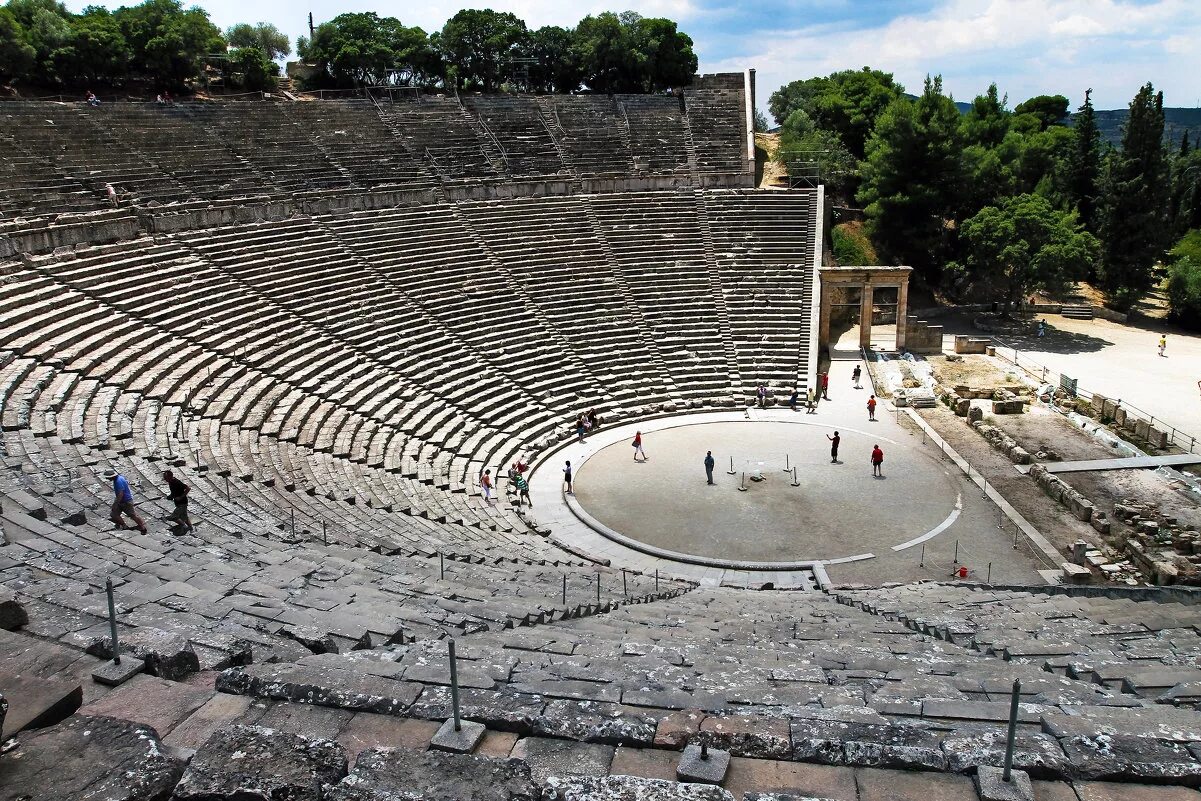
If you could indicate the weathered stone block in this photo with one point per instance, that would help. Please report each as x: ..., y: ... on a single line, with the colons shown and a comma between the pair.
x: 384, y: 774
x: 255, y: 762
x: 594, y: 788
x: 89, y: 757
x: 166, y: 654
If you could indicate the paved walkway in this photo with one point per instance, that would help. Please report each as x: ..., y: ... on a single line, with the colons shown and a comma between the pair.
x: 1127, y: 463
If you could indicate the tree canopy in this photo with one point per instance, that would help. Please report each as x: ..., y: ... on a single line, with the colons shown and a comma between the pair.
x: 1025, y: 244
x: 847, y: 102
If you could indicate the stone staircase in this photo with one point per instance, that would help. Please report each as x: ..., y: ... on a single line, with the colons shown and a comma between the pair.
x: 1077, y: 312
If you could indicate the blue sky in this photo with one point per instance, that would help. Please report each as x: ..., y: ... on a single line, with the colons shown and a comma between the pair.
x: 1027, y: 47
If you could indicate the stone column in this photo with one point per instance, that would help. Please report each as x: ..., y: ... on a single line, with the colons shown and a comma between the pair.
x: 823, y: 333
x: 865, y: 316
x: 902, y: 313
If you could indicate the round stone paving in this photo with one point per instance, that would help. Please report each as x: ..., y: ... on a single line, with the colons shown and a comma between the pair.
x: 839, y: 511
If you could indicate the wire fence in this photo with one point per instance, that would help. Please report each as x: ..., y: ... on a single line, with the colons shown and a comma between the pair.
x: 1044, y: 374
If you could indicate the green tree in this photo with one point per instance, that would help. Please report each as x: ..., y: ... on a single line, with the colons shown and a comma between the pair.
x: 17, y: 55
x: 97, y: 51
x: 604, y: 49
x: 364, y: 49
x: 1084, y: 165
x: 1047, y: 109
x: 263, y: 35
x: 1184, y: 281
x: 168, y: 42
x: 665, y: 54
x: 556, y: 68
x: 481, y: 46
x: 913, y: 178
x: 1134, y: 214
x: 253, y: 69
x: 47, y: 28
x: 987, y: 121
x: 847, y: 102
x: 1023, y: 244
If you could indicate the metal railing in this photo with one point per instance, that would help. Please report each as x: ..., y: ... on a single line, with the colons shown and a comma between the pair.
x: 1040, y: 372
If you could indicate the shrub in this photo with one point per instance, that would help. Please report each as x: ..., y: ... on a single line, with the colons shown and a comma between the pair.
x: 851, y: 245
x: 1184, y: 292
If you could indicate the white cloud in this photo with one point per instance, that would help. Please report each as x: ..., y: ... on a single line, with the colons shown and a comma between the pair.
x: 1027, y: 46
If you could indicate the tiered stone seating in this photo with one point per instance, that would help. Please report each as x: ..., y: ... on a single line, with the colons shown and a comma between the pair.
x: 433, y: 261
x: 77, y: 141
x: 717, y: 121
x: 521, y: 132
x: 438, y: 130
x: 281, y: 147
x: 354, y: 137
x: 764, y: 256
x: 658, y: 134
x: 549, y: 246
x: 657, y: 243
x: 593, y: 132
x: 30, y: 183
x: 1146, y: 649
x: 167, y: 136
x: 771, y: 675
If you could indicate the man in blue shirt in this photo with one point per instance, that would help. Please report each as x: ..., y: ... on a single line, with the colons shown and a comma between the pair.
x: 123, y: 501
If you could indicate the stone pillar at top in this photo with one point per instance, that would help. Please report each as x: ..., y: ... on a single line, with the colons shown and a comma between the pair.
x: 865, y: 316
x: 902, y: 313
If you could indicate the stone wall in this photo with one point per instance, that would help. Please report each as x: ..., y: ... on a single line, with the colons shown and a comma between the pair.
x: 1080, y: 507
x: 921, y: 337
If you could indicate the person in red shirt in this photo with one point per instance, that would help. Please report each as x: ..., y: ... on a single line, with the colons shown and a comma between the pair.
x: 877, y: 461
x: 637, y: 443
x: 825, y: 386
x: 486, y: 485
x: 871, y: 408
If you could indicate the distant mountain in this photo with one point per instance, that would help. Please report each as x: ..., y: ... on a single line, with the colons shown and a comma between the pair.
x: 1176, y: 122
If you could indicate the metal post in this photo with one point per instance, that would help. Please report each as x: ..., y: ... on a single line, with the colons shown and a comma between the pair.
x: 795, y: 483
x: 742, y: 483
x: 922, y: 561
x: 1015, y: 537
x: 565, y: 589
x: 112, y: 621
x: 704, y: 747
x: 1013, y: 730
x: 731, y: 471
x: 1000, y: 517
x: 787, y: 469
x: 988, y: 575
x: 293, y: 524
x: 984, y: 490
x: 794, y: 629
x: 656, y: 579
x: 624, y: 592
x: 441, y: 565
x: 956, y: 551
x: 598, y: 589
x: 324, y: 539
x: 227, y: 488
x: 454, y: 684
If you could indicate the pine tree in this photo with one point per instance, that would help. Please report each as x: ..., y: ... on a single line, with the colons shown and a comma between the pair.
x: 1085, y: 165
x: 1184, y: 145
x: 1134, y: 211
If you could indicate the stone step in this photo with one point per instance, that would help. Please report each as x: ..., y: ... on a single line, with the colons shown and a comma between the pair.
x: 37, y: 702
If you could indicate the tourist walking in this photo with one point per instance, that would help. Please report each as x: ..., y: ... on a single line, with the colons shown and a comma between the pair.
x: 877, y: 461
x: 637, y: 443
x: 486, y: 485
x: 811, y: 406
x: 825, y: 386
x: 523, y: 490
x: 834, y: 440
x: 1042, y: 328
x: 110, y: 192
x: 855, y: 376
x: 709, y: 465
x: 1163, y: 343
x: 871, y: 408
x: 179, y: 496
x: 567, y: 477
x: 123, y: 502
x: 792, y: 399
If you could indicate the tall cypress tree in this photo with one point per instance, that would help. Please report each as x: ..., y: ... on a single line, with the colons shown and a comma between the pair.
x: 1134, y: 211
x: 1085, y: 165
